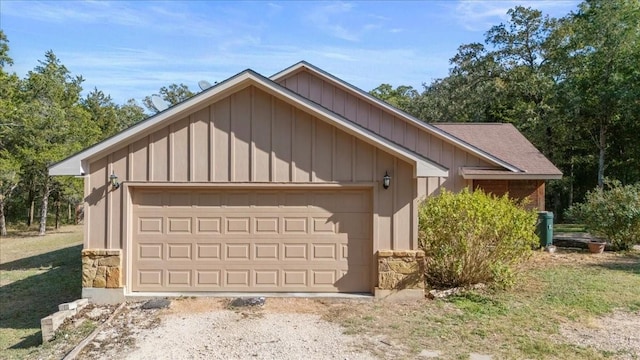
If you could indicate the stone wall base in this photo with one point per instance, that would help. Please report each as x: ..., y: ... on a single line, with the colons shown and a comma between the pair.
x: 401, y: 269
x: 101, y: 268
x: 103, y: 296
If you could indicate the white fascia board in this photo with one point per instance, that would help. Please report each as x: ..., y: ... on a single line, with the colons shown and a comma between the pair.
x: 75, y: 164
x: 514, y: 176
x: 429, y: 128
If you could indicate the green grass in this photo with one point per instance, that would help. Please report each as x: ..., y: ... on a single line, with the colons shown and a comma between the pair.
x: 36, y: 275
x: 570, y: 288
x: 569, y: 228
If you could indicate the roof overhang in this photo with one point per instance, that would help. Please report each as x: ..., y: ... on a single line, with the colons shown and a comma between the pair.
x: 77, y: 164
x: 475, y: 173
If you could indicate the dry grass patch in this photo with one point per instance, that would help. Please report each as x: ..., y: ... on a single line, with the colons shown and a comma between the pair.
x: 37, y: 273
x: 566, y: 290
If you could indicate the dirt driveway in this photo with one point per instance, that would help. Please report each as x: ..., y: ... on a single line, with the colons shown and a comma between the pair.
x: 302, y: 328
x: 207, y: 328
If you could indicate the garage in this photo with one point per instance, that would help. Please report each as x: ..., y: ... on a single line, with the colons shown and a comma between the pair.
x: 307, y: 240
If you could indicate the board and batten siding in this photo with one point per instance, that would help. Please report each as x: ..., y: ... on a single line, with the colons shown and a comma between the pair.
x: 379, y: 120
x: 251, y: 137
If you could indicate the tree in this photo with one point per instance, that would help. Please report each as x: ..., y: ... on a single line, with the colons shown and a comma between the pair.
x: 129, y: 114
x: 401, y: 97
x: 103, y: 112
x: 172, y: 94
x: 9, y: 164
x: 53, y: 125
x: 599, y: 57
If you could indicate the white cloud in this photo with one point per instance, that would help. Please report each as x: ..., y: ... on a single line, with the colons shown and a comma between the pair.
x: 481, y: 15
x: 339, y: 20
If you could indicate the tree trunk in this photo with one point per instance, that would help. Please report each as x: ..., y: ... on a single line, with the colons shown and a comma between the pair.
x: 31, y: 201
x: 57, y: 214
x: 602, y: 142
x: 571, y: 179
x: 3, y: 224
x: 44, y: 206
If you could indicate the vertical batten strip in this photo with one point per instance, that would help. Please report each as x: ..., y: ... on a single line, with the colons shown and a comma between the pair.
x: 353, y: 159
x: 272, y: 155
x: 211, y: 142
x: 171, y: 157
x: 312, y: 175
x: 150, y: 174
x: 252, y: 142
x: 292, y: 168
x: 108, y: 204
x: 231, y: 175
x: 130, y: 162
x: 394, y: 201
x: 86, y: 208
x: 190, y: 140
x: 414, y: 216
x: 334, y: 150
x: 376, y: 210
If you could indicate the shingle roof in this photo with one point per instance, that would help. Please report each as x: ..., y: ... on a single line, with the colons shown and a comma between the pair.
x: 505, y: 142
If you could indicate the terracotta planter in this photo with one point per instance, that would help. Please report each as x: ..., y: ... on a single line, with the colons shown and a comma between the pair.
x: 596, y: 247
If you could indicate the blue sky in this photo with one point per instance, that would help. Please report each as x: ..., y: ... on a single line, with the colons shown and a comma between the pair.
x: 131, y: 49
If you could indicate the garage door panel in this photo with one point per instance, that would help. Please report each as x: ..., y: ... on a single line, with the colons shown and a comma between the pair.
x: 150, y: 225
x: 294, y: 225
x: 181, y: 225
x: 179, y: 278
x: 238, y: 225
x: 267, y: 251
x: 208, y: 225
x: 267, y: 225
x: 237, y: 252
x: 252, y: 241
x: 208, y: 252
x: 179, y: 251
x: 207, y: 278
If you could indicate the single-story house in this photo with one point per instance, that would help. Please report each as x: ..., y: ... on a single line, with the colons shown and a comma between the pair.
x: 299, y: 182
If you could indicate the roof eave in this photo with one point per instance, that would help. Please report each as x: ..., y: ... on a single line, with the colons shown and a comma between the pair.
x: 513, y: 176
x: 76, y: 163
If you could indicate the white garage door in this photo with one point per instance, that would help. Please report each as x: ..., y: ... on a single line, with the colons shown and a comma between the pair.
x: 252, y: 240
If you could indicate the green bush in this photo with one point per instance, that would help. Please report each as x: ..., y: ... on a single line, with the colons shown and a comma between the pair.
x: 613, y: 213
x: 473, y: 237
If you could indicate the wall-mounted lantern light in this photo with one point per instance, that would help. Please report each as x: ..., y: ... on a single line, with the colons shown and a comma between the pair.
x: 113, y: 179
x: 386, y: 180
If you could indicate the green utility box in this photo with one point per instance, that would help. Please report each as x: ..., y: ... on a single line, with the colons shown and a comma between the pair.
x: 544, y: 228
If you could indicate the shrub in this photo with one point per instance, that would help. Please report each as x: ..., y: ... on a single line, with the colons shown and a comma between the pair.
x: 473, y: 237
x: 613, y: 213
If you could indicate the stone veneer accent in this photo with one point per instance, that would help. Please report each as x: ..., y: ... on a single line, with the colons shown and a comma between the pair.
x: 101, y: 268
x: 401, y: 269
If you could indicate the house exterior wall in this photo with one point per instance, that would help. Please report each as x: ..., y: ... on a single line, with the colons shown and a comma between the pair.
x: 250, y: 137
x: 533, y: 190
x: 377, y: 119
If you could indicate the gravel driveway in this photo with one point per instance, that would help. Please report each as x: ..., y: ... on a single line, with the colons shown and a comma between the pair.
x: 208, y: 329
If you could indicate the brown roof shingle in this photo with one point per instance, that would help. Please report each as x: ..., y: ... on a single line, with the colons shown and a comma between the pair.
x: 505, y: 142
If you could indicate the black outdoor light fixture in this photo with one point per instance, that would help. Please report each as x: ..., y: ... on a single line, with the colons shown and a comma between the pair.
x: 113, y: 179
x: 386, y: 180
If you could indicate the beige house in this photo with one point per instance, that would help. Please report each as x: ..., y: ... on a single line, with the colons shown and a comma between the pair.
x: 295, y: 183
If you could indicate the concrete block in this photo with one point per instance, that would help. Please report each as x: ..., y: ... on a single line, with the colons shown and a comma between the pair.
x: 103, y: 296
x: 51, y: 323
x: 76, y: 305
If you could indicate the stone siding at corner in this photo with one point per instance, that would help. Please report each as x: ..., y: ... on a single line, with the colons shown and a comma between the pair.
x: 401, y: 269
x: 101, y: 268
